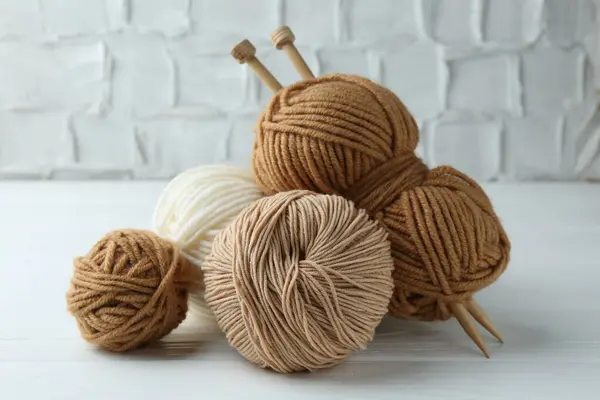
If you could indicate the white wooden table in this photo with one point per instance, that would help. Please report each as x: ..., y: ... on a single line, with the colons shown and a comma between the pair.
x: 547, y: 306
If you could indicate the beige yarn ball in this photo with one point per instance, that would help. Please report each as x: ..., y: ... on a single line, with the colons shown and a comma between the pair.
x: 194, y: 207
x: 299, y: 280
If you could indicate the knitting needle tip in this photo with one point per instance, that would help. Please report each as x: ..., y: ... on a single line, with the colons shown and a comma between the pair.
x: 480, y: 316
x: 464, y: 319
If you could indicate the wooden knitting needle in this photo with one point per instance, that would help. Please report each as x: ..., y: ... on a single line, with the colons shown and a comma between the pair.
x: 283, y: 38
x: 244, y: 52
x: 480, y: 316
x: 462, y: 315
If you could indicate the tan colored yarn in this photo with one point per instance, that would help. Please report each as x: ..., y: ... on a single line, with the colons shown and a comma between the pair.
x: 347, y: 135
x: 131, y: 288
x: 299, y: 280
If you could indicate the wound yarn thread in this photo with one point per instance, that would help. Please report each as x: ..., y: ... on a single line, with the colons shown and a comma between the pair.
x: 346, y: 135
x: 130, y: 289
x: 299, y: 280
x: 195, y: 206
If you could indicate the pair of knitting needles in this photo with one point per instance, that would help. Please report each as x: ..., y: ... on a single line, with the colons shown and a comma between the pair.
x: 283, y: 39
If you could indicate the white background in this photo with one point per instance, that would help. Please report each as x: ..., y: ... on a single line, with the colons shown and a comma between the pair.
x: 137, y: 89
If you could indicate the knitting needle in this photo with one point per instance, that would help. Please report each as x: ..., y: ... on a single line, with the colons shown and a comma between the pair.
x: 244, y: 52
x: 283, y: 38
x: 480, y: 316
x: 462, y: 315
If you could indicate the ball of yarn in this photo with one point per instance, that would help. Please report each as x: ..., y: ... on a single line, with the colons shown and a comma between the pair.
x: 131, y: 288
x: 349, y: 136
x: 195, y: 206
x: 299, y: 280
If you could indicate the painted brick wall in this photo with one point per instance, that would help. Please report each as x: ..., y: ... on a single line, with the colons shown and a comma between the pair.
x: 139, y: 89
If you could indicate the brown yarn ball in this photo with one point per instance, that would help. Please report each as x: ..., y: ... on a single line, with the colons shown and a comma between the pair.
x: 299, y: 280
x: 131, y: 288
x: 346, y: 135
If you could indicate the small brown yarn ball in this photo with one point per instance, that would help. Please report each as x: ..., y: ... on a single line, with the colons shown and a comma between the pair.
x: 130, y: 289
x: 299, y: 280
x: 346, y: 135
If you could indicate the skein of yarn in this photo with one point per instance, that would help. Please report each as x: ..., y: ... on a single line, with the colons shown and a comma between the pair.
x: 195, y: 206
x: 346, y: 135
x: 446, y: 240
x: 299, y: 280
x: 130, y: 289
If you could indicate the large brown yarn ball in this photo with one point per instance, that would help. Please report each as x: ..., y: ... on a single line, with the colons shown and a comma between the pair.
x: 299, y: 280
x: 349, y: 136
x: 131, y: 288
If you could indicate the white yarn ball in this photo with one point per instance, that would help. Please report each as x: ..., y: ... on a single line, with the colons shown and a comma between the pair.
x: 195, y: 206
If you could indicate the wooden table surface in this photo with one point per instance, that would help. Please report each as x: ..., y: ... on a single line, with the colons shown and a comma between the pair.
x: 547, y: 305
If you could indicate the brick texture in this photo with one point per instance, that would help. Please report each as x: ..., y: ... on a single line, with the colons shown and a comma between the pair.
x: 488, y: 84
x: 142, y: 89
x: 67, y: 77
x: 481, y: 159
x: 511, y: 22
x: 170, y: 17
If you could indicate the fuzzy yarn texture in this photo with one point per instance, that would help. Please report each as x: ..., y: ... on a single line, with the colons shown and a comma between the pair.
x: 346, y: 135
x: 130, y: 289
x: 299, y: 280
x: 195, y: 206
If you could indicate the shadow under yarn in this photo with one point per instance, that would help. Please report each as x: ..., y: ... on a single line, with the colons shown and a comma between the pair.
x: 422, y: 347
x: 188, y: 340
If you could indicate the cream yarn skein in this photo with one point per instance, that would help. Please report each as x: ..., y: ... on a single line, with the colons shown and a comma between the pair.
x: 194, y: 207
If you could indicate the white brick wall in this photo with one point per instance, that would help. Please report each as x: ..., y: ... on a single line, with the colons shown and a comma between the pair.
x: 142, y: 89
